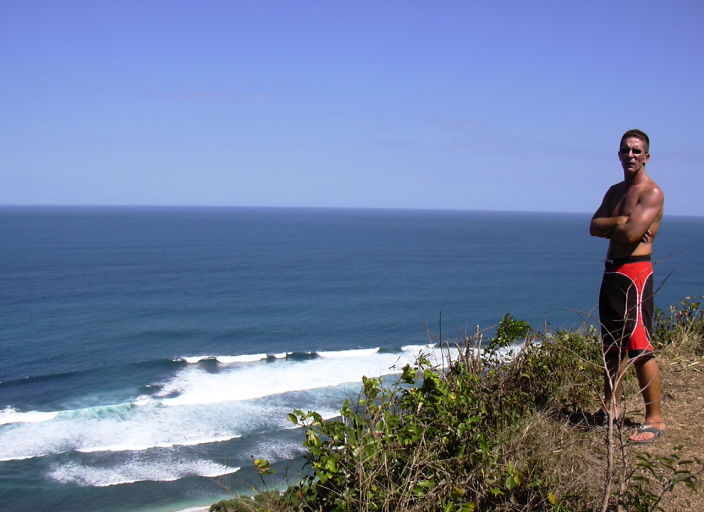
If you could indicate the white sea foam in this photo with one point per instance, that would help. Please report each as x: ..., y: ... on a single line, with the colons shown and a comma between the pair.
x: 419, y: 348
x: 246, y: 358
x: 198, y: 406
x: 194, y: 359
x: 349, y: 354
x: 136, y: 470
x: 224, y: 359
x: 193, y: 385
x: 129, y: 428
x: 133, y: 448
x: 275, y: 450
x: 9, y: 415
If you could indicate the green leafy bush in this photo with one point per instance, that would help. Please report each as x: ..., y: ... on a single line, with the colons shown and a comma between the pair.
x: 434, y: 440
x: 681, y: 327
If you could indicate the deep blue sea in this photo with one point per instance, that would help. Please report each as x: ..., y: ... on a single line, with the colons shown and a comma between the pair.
x: 147, y: 354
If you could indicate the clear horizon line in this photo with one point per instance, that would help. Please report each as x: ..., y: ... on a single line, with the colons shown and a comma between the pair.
x: 302, y: 207
x: 262, y: 206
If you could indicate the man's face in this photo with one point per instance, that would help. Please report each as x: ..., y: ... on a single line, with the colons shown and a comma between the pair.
x: 632, y: 155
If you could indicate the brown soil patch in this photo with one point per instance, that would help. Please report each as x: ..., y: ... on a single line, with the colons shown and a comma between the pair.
x: 683, y: 408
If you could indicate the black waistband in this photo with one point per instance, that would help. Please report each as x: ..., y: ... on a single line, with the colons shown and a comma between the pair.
x: 610, y: 262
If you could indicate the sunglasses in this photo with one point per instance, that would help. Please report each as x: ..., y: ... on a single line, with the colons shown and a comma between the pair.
x: 636, y: 151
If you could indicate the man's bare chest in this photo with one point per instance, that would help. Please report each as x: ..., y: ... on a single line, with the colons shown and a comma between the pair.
x: 623, y: 202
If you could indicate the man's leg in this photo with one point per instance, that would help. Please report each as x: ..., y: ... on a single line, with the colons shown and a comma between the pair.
x: 648, y: 373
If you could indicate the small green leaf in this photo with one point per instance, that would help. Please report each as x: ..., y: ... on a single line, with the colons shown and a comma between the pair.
x: 457, y: 492
x: 262, y: 466
x: 552, y: 498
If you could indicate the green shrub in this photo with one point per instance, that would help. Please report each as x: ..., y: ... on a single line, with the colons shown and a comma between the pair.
x: 682, y: 327
x: 436, y: 436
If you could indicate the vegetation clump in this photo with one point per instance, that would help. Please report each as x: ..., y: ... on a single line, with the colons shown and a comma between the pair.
x: 504, y: 426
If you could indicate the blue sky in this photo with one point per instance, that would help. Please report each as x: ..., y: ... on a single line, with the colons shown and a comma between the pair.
x: 474, y: 104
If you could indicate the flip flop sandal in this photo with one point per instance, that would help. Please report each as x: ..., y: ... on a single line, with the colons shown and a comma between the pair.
x: 657, y: 433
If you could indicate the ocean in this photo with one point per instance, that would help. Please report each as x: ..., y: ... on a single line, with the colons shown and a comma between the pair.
x: 148, y: 354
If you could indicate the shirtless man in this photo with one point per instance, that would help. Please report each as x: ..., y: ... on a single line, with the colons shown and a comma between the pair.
x: 629, y: 216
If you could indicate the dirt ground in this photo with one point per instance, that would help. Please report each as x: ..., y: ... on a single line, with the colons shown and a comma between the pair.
x: 683, y: 408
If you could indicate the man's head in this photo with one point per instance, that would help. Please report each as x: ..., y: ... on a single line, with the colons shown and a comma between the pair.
x: 638, y: 134
x: 633, y: 151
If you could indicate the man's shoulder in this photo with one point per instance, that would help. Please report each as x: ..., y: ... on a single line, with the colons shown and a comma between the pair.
x: 654, y: 191
x: 650, y: 193
x: 649, y: 187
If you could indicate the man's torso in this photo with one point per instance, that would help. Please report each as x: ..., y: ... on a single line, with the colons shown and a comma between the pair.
x: 622, y: 201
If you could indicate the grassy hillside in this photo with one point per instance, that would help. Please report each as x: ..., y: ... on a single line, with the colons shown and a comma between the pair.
x: 491, y: 433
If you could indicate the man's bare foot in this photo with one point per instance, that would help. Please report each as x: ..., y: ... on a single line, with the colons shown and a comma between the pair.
x: 648, y: 432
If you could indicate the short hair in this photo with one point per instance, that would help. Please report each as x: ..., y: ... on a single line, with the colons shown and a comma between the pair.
x: 638, y: 134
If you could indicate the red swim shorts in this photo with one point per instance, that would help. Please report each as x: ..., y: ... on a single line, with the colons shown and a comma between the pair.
x: 626, y: 306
